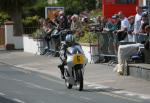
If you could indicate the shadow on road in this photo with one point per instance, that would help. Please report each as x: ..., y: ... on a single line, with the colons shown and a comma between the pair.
x: 5, y: 100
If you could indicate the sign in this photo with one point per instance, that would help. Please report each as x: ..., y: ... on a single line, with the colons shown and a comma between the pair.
x: 52, y: 12
x: 78, y: 59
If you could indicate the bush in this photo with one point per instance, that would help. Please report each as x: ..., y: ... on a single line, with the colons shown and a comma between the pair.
x: 88, y: 37
x: 37, y: 34
x: 31, y: 21
x: 3, y: 17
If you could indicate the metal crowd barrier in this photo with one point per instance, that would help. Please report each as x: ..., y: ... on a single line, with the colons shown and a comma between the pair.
x: 107, y: 45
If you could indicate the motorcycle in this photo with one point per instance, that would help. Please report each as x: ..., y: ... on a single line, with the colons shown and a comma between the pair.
x: 74, y: 68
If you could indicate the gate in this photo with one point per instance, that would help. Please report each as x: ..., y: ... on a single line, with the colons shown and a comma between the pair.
x: 2, y: 37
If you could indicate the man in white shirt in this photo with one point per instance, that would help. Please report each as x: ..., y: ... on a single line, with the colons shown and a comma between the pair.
x: 137, y: 22
x: 122, y: 33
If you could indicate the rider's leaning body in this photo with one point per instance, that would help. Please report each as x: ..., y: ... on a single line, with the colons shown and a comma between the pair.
x: 69, y: 41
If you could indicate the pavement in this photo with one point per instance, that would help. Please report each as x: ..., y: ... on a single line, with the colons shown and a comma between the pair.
x: 98, y: 76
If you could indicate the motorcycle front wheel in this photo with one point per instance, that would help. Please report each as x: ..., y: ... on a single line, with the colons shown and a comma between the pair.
x: 79, y: 80
x: 68, y: 85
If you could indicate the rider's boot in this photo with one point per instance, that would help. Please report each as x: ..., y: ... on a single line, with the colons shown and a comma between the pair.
x: 61, y: 67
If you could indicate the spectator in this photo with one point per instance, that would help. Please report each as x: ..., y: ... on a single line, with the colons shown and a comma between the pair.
x: 103, y: 22
x: 144, y: 19
x: 122, y: 32
x: 98, y: 20
x: 125, y: 51
x: 76, y: 25
x: 147, y: 43
x: 115, y: 22
x: 137, y: 22
x: 131, y: 28
x: 69, y: 21
x: 116, y: 26
x: 47, y: 35
x: 62, y: 21
x: 106, y: 24
x: 142, y: 36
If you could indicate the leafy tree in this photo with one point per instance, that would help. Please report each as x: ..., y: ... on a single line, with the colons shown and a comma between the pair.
x: 14, y: 9
x: 32, y: 13
x: 37, y: 9
x: 3, y: 17
x: 76, y: 6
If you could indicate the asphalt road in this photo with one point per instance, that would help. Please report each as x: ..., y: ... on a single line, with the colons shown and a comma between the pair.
x: 23, y: 86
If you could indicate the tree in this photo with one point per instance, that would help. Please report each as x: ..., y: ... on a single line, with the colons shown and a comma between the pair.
x: 76, y: 6
x: 38, y: 8
x: 14, y: 9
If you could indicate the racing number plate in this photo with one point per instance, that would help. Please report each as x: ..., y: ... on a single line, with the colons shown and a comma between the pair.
x: 78, y: 59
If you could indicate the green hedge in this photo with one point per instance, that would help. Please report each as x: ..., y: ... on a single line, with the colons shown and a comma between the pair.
x: 3, y: 17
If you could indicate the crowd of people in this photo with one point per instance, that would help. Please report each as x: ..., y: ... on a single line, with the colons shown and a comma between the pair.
x: 61, y: 22
x: 121, y: 29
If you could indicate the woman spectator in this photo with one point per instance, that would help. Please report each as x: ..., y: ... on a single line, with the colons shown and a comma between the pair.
x: 131, y: 28
x: 47, y: 35
x: 76, y: 25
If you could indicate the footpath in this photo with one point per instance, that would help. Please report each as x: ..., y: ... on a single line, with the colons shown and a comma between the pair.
x: 98, y: 76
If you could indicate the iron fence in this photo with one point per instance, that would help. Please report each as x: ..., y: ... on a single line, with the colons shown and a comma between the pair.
x: 30, y: 30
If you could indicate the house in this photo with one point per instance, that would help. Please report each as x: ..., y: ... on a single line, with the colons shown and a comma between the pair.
x: 126, y: 6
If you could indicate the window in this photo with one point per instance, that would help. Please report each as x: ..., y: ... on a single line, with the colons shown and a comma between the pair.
x: 109, y: 1
x: 125, y: 1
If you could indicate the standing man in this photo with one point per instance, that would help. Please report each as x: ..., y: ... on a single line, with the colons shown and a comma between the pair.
x: 122, y: 32
x: 137, y: 22
x: 62, y: 21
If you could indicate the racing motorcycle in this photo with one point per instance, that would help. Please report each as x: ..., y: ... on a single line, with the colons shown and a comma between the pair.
x: 74, y: 68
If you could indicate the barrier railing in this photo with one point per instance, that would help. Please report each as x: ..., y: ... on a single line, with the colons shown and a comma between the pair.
x: 106, y: 45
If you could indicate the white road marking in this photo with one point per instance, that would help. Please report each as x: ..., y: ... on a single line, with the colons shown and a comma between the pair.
x: 33, y: 85
x: 122, y: 97
x: 86, y: 98
x: 52, y: 90
x: 96, y: 86
x: 142, y: 96
x: 90, y: 85
x: 2, y: 94
x: 18, y: 100
x: 117, y: 93
x: 145, y: 97
x: 20, y: 70
x: 17, y: 80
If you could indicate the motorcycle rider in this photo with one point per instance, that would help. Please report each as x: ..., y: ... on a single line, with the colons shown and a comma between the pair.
x: 69, y: 41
